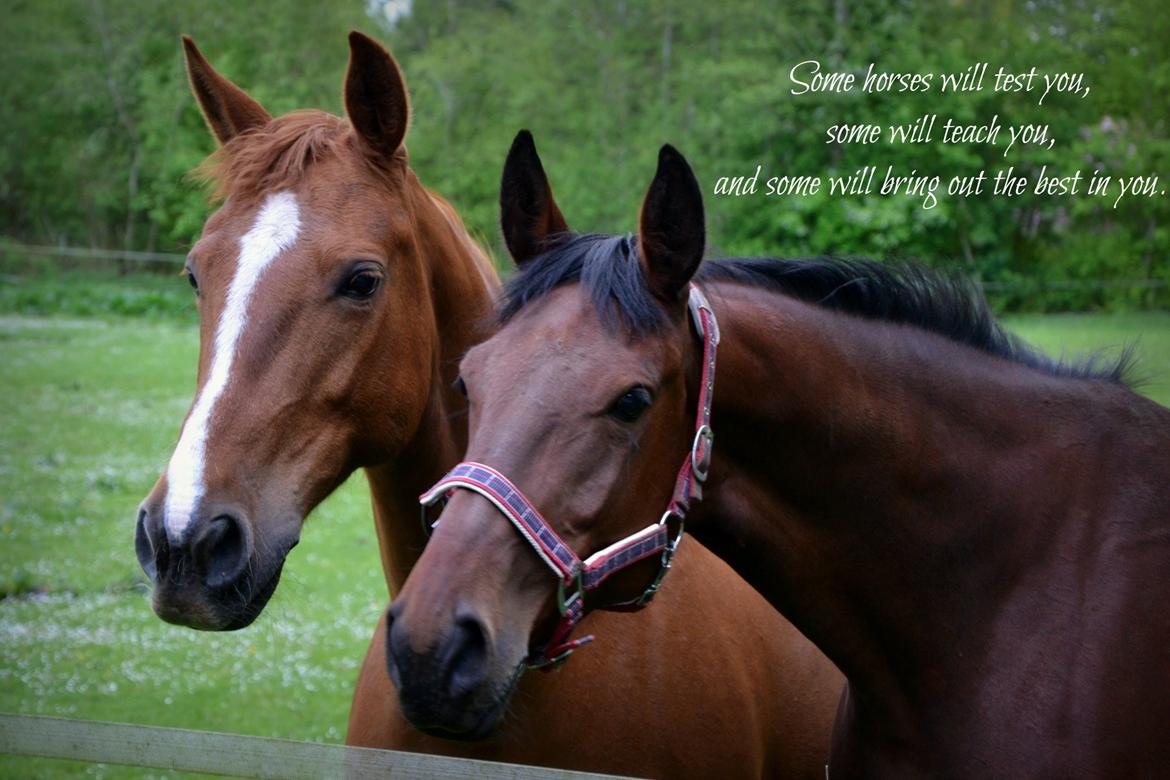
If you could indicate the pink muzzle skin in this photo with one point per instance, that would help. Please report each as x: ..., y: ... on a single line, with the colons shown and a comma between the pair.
x: 576, y: 577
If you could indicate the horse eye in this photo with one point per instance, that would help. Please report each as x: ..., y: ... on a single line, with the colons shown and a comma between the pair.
x: 460, y: 385
x: 191, y: 280
x: 361, y: 284
x: 631, y: 404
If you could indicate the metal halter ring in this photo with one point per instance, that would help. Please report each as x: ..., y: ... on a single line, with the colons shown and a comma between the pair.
x: 672, y: 545
x: 667, y: 558
x: 700, y: 467
x: 425, y: 514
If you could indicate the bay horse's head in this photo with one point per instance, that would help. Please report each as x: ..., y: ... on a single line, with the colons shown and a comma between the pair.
x: 316, y: 335
x: 584, y: 399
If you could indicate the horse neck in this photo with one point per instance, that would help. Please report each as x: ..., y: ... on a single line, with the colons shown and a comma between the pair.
x: 883, y: 486
x: 461, y: 284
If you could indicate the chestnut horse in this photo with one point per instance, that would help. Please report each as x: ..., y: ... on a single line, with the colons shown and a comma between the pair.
x: 977, y: 535
x: 336, y: 295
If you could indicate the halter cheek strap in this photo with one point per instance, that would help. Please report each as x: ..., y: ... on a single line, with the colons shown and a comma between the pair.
x: 575, y: 577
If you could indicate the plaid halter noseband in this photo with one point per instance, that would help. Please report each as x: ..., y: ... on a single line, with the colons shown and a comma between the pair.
x: 576, y: 577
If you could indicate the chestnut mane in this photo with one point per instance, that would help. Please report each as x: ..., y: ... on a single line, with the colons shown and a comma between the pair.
x: 274, y: 156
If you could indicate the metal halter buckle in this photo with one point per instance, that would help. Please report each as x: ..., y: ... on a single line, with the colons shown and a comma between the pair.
x: 696, y: 305
x: 701, y: 465
x: 563, y: 601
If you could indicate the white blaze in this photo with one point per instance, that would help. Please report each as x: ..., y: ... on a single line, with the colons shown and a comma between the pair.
x: 274, y: 231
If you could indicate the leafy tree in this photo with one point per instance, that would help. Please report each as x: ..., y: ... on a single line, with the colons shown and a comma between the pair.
x: 100, y: 128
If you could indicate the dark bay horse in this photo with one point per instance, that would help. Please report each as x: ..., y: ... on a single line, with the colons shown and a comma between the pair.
x: 336, y: 296
x: 978, y: 536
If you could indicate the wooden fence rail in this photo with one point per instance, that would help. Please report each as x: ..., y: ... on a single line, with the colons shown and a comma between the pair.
x: 86, y: 253
x: 240, y: 756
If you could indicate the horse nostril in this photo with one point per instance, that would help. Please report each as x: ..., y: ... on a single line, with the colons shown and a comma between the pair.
x: 150, y: 545
x: 397, y: 646
x: 221, y: 551
x: 467, y: 657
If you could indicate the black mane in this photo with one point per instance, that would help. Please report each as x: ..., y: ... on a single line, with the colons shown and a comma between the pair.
x: 902, y: 292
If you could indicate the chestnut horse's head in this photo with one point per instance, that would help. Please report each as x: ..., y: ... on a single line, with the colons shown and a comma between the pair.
x: 584, y: 398
x: 317, y: 335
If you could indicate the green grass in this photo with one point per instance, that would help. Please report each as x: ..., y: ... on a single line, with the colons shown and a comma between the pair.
x: 91, y: 408
x: 1080, y: 334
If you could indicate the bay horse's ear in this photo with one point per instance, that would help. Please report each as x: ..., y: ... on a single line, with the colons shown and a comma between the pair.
x: 375, y: 96
x: 671, y: 233
x: 228, y: 109
x: 528, y: 214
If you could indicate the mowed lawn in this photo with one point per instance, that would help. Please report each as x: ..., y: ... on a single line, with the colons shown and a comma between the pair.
x: 1078, y: 334
x: 91, y: 408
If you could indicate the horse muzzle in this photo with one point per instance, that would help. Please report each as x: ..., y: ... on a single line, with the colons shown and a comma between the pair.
x: 447, y: 690
x: 212, y: 578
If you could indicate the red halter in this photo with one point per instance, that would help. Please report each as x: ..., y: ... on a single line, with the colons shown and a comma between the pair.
x: 579, y: 575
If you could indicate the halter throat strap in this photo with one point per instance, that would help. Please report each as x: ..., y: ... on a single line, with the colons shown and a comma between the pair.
x: 575, y: 577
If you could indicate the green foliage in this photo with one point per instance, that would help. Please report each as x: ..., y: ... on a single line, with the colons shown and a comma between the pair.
x: 102, y: 129
x: 100, y: 125
x: 99, y: 294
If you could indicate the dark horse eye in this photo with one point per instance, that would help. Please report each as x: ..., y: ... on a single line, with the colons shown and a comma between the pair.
x: 631, y: 404
x: 191, y: 280
x: 460, y: 385
x: 361, y: 284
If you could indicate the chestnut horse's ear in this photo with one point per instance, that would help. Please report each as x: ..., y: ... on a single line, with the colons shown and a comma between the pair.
x: 228, y: 109
x: 375, y: 96
x: 528, y: 214
x: 671, y: 234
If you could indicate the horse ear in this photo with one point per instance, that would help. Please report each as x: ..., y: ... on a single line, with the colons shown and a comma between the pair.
x: 375, y: 96
x: 671, y: 234
x: 528, y: 214
x: 228, y: 109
